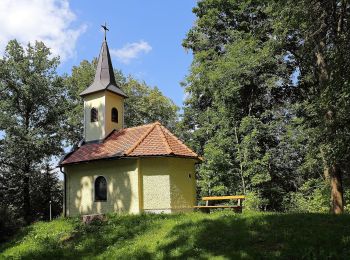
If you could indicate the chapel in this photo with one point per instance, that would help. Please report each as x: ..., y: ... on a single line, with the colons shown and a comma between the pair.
x: 131, y: 170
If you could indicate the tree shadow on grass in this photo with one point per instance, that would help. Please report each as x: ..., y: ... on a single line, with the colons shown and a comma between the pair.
x: 251, y: 236
x: 17, y: 238
x: 269, y: 236
x: 90, y: 241
x: 99, y: 237
x: 38, y: 248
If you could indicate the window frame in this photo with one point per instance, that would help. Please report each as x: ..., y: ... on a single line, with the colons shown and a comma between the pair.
x: 93, y: 115
x: 100, y: 177
x: 114, y: 118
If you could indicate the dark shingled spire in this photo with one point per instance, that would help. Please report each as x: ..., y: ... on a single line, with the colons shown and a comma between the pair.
x: 104, y: 77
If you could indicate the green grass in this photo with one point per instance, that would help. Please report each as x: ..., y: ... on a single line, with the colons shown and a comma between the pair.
x: 221, y: 235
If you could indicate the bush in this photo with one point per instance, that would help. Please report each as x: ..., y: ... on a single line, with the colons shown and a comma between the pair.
x: 254, y: 201
x: 313, y: 196
x: 9, y: 222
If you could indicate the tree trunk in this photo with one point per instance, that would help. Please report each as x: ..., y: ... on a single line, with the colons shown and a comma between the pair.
x: 334, y: 176
x: 26, y: 198
x: 337, y: 198
x: 26, y: 179
x: 240, y: 162
x: 332, y: 172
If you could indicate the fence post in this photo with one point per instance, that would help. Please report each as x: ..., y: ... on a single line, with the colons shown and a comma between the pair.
x: 50, y: 211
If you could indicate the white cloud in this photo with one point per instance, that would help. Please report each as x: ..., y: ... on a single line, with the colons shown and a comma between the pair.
x: 131, y: 51
x: 43, y: 20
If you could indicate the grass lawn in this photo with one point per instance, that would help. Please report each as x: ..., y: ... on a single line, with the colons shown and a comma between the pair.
x: 221, y: 235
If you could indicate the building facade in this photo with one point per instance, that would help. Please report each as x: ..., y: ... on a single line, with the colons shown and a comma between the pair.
x: 131, y: 170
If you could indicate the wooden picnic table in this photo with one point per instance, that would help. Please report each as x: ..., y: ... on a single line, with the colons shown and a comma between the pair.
x: 208, y: 200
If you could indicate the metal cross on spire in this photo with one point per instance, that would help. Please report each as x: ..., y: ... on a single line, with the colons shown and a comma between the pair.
x: 105, y: 29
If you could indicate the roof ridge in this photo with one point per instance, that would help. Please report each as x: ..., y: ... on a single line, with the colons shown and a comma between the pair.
x: 131, y: 149
x: 167, y: 146
x: 139, y: 126
x: 171, y: 134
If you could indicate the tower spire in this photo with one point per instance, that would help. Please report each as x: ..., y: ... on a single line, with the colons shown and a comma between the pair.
x: 104, y: 76
x: 105, y: 29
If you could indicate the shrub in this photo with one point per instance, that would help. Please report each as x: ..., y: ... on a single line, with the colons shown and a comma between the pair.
x: 9, y: 222
x: 254, y: 201
x: 313, y: 196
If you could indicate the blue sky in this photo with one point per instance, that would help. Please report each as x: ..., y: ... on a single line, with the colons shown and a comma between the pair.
x: 160, y: 24
x: 144, y: 38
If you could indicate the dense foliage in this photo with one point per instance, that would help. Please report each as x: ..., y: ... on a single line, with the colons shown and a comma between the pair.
x: 32, y: 108
x: 267, y: 100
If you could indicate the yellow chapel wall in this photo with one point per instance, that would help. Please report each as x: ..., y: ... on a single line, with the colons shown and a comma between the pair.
x: 122, y: 187
x: 113, y: 100
x: 166, y: 184
x: 182, y: 184
x: 94, y: 130
x: 156, y: 195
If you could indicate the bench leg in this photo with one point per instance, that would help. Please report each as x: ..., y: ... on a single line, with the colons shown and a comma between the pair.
x: 237, y: 209
x: 205, y: 210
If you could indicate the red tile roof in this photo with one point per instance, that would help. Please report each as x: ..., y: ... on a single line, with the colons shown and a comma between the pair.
x: 146, y: 140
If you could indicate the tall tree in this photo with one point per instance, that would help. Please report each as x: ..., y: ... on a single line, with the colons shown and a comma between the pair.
x: 269, y: 79
x: 237, y: 88
x: 317, y: 36
x: 32, y: 104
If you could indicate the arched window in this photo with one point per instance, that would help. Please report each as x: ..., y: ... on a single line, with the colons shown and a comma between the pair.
x: 94, y: 115
x: 114, y: 115
x: 100, y: 189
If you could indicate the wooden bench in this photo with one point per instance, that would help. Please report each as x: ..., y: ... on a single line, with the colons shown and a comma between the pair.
x: 208, y: 200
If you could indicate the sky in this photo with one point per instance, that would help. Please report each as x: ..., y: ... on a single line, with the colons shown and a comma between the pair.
x: 144, y: 37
